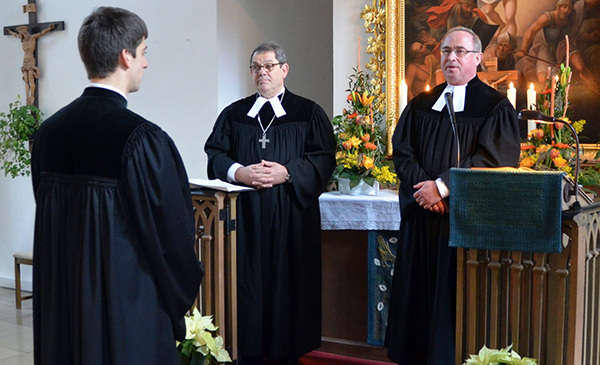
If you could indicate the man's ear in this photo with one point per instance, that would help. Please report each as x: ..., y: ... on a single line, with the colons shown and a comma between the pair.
x: 125, y: 58
x: 285, y: 68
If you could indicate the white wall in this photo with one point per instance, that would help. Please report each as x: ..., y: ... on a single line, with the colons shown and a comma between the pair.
x: 302, y: 28
x: 347, y: 27
x: 177, y: 91
x: 198, y: 63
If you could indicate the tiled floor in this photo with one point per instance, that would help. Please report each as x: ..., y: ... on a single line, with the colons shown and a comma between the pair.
x: 16, y: 330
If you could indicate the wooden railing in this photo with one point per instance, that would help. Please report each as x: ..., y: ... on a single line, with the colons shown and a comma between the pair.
x: 546, y: 305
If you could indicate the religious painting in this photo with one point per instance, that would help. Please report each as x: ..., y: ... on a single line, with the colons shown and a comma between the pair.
x: 523, y: 42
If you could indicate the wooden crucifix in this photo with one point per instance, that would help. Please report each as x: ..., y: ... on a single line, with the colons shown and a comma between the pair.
x: 29, y: 34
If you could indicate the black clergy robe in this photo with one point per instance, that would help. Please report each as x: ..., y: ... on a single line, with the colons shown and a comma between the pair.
x: 421, y: 325
x: 114, y: 263
x: 279, y: 229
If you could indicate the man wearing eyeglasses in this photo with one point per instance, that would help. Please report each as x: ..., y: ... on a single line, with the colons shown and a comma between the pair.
x: 282, y: 145
x: 421, y: 323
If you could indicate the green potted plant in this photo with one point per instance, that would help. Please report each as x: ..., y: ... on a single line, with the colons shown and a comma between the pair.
x: 17, y: 126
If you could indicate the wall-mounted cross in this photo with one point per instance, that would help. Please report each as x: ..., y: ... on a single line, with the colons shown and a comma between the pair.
x: 29, y: 34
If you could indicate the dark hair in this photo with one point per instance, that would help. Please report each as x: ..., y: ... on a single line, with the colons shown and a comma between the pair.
x: 270, y: 47
x: 104, y: 34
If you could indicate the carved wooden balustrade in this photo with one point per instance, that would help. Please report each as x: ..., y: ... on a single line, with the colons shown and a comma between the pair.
x: 546, y: 304
x: 215, y: 213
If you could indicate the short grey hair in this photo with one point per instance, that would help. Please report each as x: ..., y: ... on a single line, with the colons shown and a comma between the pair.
x: 476, y: 41
x: 270, y: 47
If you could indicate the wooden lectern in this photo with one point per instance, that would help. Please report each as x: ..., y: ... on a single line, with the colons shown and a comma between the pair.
x: 528, y: 267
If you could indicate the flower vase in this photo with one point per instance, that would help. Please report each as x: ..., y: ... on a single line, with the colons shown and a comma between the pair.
x: 361, y: 189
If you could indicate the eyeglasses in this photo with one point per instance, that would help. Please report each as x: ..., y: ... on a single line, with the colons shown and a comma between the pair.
x: 459, y: 52
x: 267, y: 66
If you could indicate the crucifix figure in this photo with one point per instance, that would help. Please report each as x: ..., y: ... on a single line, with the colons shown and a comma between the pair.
x: 29, y: 34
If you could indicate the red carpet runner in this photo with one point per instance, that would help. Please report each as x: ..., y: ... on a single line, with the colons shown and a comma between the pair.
x: 325, y: 358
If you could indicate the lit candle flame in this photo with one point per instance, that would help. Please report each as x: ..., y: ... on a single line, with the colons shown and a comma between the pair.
x: 510, y: 86
x: 530, y: 86
x: 427, y: 87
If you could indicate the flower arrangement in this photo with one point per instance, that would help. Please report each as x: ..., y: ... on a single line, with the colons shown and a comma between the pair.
x: 201, y: 345
x: 360, y: 138
x: 498, y: 357
x: 550, y: 146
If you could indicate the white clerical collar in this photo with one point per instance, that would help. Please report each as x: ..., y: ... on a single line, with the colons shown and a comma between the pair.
x: 107, y: 87
x: 458, y: 96
x: 275, y: 103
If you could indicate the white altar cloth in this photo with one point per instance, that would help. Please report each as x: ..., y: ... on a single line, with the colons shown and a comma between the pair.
x: 360, y: 212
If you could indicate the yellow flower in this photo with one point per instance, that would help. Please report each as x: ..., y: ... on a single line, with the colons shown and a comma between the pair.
x: 384, y: 175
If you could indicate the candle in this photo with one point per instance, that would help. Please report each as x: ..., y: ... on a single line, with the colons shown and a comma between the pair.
x: 531, y: 96
x: 427, y: 87
x: 552, y: 92
x: 403, y: 96
x: 511, y: 94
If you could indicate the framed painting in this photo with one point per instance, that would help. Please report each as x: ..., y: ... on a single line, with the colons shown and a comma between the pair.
x: 535, y: 34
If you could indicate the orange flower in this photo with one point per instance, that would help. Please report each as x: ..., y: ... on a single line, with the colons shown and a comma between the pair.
x: 538, y: 133
x: 527, y: 147
x: 353, y: 115
x: 558, y: 125
x: 543, y: 148
x: 526, y: 162
x: 347, y: 145
x: 349, y: 97
x: 370, y: 146
x: 554, y: 153
x: 366, y: 137
x: 367, y: 162
x: 559, y: 161
x: 355, y: 141
x: 562, y: 145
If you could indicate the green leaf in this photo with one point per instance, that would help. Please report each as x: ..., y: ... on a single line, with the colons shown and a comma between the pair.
x: 369, y: 180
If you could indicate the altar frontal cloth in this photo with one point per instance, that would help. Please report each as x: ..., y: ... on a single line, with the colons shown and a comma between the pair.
x: 506, y: 210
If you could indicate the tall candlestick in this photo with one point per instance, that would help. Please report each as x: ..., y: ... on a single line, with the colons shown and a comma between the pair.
x: 531, y: 96
x: 511, y: 94
x: 403, y: 96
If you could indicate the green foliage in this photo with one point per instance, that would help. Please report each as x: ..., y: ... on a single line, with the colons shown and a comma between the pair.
x: 16, y: 128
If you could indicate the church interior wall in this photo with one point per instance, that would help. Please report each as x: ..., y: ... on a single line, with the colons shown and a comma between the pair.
x: 198, y: 64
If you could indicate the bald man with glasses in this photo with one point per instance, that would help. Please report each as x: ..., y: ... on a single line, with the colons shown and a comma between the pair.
x: 421, y: 323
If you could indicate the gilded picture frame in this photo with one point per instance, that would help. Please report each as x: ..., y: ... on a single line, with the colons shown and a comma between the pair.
x: 394, y: 61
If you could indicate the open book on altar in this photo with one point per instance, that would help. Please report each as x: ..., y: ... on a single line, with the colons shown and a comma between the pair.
x: 217, y: 185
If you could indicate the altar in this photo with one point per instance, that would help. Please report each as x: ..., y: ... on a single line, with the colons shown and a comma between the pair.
x: 359, y: 245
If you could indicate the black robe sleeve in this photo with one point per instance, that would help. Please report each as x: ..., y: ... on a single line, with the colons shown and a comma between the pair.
x: 158, y: 186
x: 311, y: 172
x: 218, y: 146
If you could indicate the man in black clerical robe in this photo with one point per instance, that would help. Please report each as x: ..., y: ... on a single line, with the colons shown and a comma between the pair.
x: 287, y: 152
x: 114, y: 264
x: 421, y: 324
